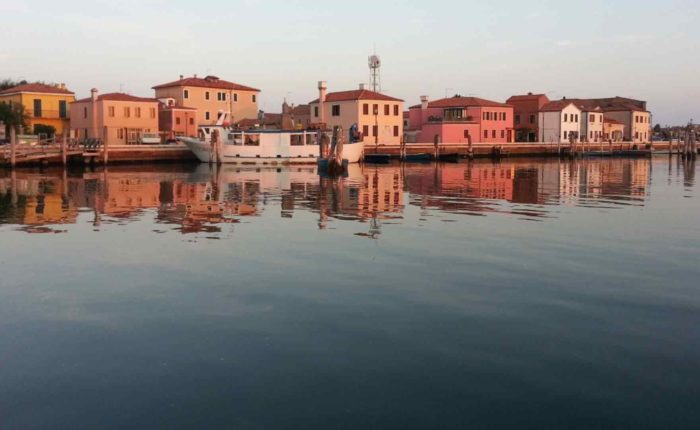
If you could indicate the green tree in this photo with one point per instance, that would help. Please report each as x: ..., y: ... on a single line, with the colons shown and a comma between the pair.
x: 48, y: 130
x: 9, y: 83
x: 657, y: 128
x: 13, y: 115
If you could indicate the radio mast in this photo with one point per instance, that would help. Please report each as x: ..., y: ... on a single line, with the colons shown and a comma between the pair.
x: 375, y: 77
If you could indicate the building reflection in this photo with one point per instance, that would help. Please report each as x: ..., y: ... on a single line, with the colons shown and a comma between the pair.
x: 204, y: 199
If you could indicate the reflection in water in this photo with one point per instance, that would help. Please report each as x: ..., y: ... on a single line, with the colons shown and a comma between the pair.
x: 203, y: 198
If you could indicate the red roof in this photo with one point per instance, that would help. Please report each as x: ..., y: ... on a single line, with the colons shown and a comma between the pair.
x: 463, y: 102
x: 118, y: 97
x: 526, y: 97
x: 557, y: 106
x: 36, y: 88
x: 207, y: 82
x: 357, y: 95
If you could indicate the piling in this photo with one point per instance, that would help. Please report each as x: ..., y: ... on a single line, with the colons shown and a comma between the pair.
x: 105, y: 146
x: 13, y: 146
x: 64, y: 149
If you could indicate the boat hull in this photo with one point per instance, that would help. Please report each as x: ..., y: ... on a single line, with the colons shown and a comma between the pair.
x: 266, y: 154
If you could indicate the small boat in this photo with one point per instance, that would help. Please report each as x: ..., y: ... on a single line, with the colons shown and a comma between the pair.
x: 450, y: 157
x: 377, y: 158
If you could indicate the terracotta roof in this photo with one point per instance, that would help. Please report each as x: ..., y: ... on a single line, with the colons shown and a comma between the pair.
x: 118, y: 97
x: 525, y: 97
x: 611, y: 121
x: 462, y: 102
x: 556, y: 106
x: 357, y: 95
x: 623, y: 107
x: 207, y: 82
x: 36, y: 88
x: 301, y: 110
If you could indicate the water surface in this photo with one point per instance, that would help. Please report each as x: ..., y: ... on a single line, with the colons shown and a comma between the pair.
x: 520, y: 294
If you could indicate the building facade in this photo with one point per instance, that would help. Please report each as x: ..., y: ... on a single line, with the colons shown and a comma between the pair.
x: 526, y: 109
x: 613, y: 130
x: 456, y: 119
x: 44, y: 104
x: 591, y: 125
x: 559, y: 121
x: 379, y: 117
x: 212, y: 97
x: 175, y: 121
x: 116, y: 118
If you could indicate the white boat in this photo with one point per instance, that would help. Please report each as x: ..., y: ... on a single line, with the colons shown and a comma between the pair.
x: 263, y: 146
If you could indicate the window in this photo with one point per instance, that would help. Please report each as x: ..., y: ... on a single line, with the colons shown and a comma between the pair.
x: 396, y: 110
x: 223, y: 97
x: 335, y: 110
x: 177, y: 120
x: 316, y: 111
x: 255, y: 99
x: 564, y: 135
x: 85, y: 113
x: 206, y: 95
x: 505, y: 116
x: 375, y: 109
x: 365, y: 109
x: 396, y: 131
x: 503, y: 134
x: 386, y: 110
x: 532, y: 119
x: 486, y: 134
x: 186, y: 94
x: 484, y: 116
x: 191, y: 121
x: 153, y: 112
x: 591, y: 134
x: 137, y: 112
x: 206, y: 116
x: 235, y: 98
x: 120, y: 133
x: 566, y: 117
x: 517, y: 119
x: 375, y: 130
x: 365, y: 129
x: 62, y: 109
x: 37, y: 108
x: 110, y: 111
x: 127, y: 112
x: 493, y: 134
x: 576, y: 120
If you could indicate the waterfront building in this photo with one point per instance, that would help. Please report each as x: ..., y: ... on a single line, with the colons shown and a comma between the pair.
x: 613, y: 130
x: 44, y: 104
x: 212, y: 97
x: 559, y: 121
x: 175, y: 121
x: 116, y: 118
x: 526, y: 109
x: 631, y: 113
x: 379, y: 117
x: 455, y: 119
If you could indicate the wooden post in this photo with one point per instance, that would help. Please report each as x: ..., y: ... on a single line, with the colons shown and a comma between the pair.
x: 470, y: 151
x: 64, y: 144
x: 105, y: 145
x: 13, y: 146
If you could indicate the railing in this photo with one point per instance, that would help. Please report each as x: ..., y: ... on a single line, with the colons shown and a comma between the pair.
x: 438, y: 120
x: 48, y: 114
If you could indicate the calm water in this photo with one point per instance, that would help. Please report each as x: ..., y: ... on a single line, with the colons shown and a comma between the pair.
x: 523, y: 294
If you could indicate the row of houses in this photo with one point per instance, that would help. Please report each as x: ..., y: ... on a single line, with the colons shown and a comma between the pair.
x: 179, y: 107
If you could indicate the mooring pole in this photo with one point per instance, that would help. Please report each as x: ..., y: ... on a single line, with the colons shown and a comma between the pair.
x: 64, y: 143
x: 13, y: 146
x: 105, y: 145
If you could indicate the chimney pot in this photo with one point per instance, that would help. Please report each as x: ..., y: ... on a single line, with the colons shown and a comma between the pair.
x: 362, y: 86
x: 181, y: 77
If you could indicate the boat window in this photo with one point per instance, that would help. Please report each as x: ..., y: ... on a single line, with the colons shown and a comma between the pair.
x: 252, y: 140
x: 311, y: 139
x: 296, y: 139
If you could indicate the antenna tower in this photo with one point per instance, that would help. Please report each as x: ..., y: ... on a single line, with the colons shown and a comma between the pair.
x: 375, y: 77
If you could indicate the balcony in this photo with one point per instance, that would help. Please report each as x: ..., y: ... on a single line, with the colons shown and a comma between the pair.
x: 450, y: 119
x: 47, y: 114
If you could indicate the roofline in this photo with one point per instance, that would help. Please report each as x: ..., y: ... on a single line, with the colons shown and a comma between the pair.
x: 70, y: 93
x: 173, y: 85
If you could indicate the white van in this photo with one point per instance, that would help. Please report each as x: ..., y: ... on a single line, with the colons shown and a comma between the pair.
x: 149, y: 139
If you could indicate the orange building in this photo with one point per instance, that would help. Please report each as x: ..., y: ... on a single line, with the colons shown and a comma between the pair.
x: 175, y: 121
x: 116, y: 118
x: 211, y: 97
x: 43, y: 104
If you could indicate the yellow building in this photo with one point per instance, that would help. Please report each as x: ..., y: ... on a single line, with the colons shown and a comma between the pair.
x: 43, y: 104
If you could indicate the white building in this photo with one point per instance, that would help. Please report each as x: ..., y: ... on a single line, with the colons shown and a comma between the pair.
x: 592, y: 125
x: 559, y: 121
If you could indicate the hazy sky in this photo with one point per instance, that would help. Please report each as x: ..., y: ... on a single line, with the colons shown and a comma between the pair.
x: 492, y: 49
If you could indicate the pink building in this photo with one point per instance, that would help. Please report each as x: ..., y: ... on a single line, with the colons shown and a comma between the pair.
x: 455, y: 119
x: 175, y: 121
x: 526, y: 110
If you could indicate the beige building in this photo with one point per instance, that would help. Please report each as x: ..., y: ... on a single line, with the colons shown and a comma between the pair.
x: 379, y: 117
x: 212, y: 97
x: 116, y: 118
x: 613, y: 130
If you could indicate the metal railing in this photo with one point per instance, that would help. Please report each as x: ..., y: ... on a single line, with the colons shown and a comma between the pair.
x: 47, y: 114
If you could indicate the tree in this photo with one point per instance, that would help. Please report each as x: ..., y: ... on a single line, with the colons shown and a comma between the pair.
x: 9, y: 83
x: 48, y: 130
x: 657, y: 128
x: 13, y: 115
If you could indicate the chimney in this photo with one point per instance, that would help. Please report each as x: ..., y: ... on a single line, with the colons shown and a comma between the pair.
x: 182, y: 77
x: 62, y: 86
x: 530, y: 93
x: 93, y: 94
x: 362, y: 87
x: 322, y: 90
x: 195, y: 76
x: 424, y: 102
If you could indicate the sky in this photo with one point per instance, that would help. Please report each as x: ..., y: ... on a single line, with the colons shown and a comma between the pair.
x: 648, y: 50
